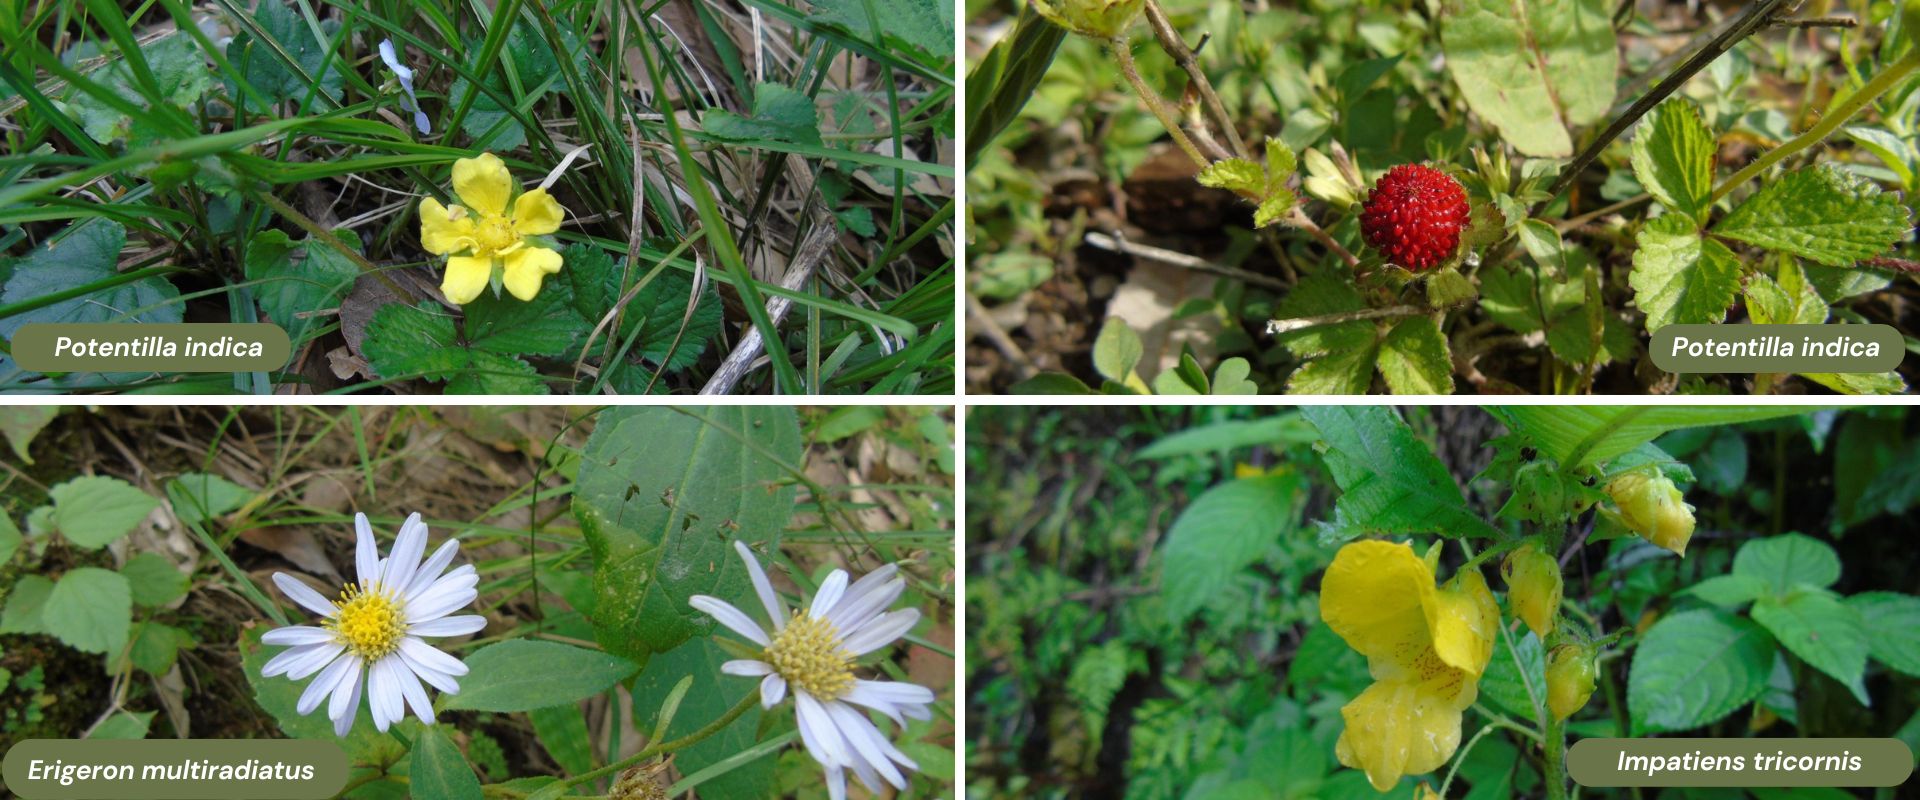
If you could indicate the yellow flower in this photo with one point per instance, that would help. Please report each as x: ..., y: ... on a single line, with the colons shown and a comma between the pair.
x: 1652, y: 507
x: 484, y: 241
x: 1533, y: 588
x: 1426, y: 647
x: 1570, y: 679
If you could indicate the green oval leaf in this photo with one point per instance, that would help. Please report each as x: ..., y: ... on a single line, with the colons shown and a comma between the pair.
x: 519, y: 675
x: 95, y: 510
x: 1824, y: 632
x: 1694, y: 668
x: 90, y: 608
x: 1784, y: 562
x: 1891, y: 611
x: 437, y: 769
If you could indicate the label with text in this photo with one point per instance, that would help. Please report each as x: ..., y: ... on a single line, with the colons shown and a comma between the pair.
x: 1777, y: 348
x: 161, y: 769
x: 1739, y: 762
x: 151, y: 347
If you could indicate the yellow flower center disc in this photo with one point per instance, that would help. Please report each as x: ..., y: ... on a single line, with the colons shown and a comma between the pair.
x: 369, y: 622
x: 495, y: 234
x: 806, y: 655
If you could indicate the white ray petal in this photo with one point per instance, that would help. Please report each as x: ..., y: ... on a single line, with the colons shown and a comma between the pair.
x: 731, y: 617
x: 304, y: 595
x: 449, y: 626
x: 776, y: 610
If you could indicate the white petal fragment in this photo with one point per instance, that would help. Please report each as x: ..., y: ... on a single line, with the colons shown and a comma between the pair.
x: 731, y: 617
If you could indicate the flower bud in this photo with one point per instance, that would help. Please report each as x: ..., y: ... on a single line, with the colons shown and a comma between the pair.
x: 1533, y: 588
x: 1652, y: 507
x: 1098, y: 19
x: 1570, y: 678
x: 1539, y: 494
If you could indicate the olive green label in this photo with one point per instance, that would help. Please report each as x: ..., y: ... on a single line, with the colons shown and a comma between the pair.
x: 1777, y: 348
x: 1739, y: 762
x: 166, y: 769
x: 151, y: 347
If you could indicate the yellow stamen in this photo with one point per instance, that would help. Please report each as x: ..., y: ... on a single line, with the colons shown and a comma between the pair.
x: 496, y: 234
x: 808, y: 655
x: 369, y: 622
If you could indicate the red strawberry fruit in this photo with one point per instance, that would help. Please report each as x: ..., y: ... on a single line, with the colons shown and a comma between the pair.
x: 1415, y: 215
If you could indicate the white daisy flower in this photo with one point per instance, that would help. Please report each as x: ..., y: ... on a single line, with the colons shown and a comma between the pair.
x: 812, y: 653
x: 370, y: 640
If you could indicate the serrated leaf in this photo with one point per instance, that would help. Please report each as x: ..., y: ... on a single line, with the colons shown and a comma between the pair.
x: 87, y: 254
x: 295, y: 279
x: 1789, y: 301
x: 1516, y: 677
x: 178, y: 69
x: 1890, y: 612
x: 436, y: 768
x: 198, y: 496
x: 1694, y: 668
x: 1414, y: 358
x: 90, y: 609
x: 518, y: 675
x: 1342, y: 372
x: 1236, y: 174
x: 1681, y: 276
x: 661, y: 495
x: 95, y: 510
x: 25, y: 601
x: 260, y: 63
x: 154, y: 579
x: 1788, y: 561
x: 508, y: 326
x: 1859, y: 382
x: 1280, y: 163
x: 157, y: 646
x: 1823, y: 213
x: 419, y: 342
x: 1579, y: 435
x: 1673, y: 158
x: 1532, y: 68
x: 1223, y: 531
x: 925, y: 27
x: 20, y: 424
x: 779, y: 114
x: 1824, y: 632
x: 1276, y: 208
x: 1391, y: 482
x: 660, y: 309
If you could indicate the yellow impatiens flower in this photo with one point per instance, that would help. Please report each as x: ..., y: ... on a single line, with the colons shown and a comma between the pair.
x: 484, y: 243
x: 1426, y: 647
x: 1534, y: 588
x: 1653, y: 507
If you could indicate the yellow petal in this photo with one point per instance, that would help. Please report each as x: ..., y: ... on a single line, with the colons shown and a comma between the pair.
x: 1394, y: 729
x: 465, y: 277
x: 1534, y: 588
x: 444, y: 231
x: 483, y: 183
x: 1468, y: 621
x: 1375, y: 595
x: 527, y: 267
x: 537, y: 213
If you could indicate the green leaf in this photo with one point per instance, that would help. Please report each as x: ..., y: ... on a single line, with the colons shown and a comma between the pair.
x: 1116, y: 351
x: 179, y: 71
x: 661, y: 495
x: 20, y: 424
x: 660, y: 309
x: 1824, y: 213
x: 197, y: 496
x: 509, y: 327
x: 1579, y: 435
x: 90, y: 609
x: 1859, y: 382
x: 1784, y: 563
x: 1680, y: 276
x: 779, y: 114
x: 1230, y: 378
x: 1822, y: 631
x: 1790, y: 301
x: 1414, y: 358
x: 1888, y: 612
x: 1391, y: 482
x: 1694, y: 668
x: 1222, y: 532
x: 1097, y: 676
x: 1729, y: 591
x: 279, y: 697
x: 1280, y: 163
x: 1516, y: 678
x: 123, y: 725
x: 25, y: 602
x: 437, y: 769
x: 155, y: 580
x: 1532, y: 68
x: 1280, y: 429
x: 562, y: 730
x: 1275, y: 208
x: 1342, y: 355
x: 518, y: 675
x: 157, y: 646
x: 262, y: 67
x: 1673, y: 155
x: 1236, y: 174
x: 711, y: 695
x: 1047, y: 383
x: 9, y: 537
x: 89, y: 253
x: 297, y: 279
x: 927, y: 27
x: 95, y: 510
x: 419, y: 341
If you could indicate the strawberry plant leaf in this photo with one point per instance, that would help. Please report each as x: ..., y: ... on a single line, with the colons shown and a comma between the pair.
x: 1694, y: 668
x: 1827, y: 634
x: 1673, y: 158
x: 419, y: 342
x: 1681, y: 276
x: 1223, y: 531
x: 298, y: 278
x: 1579, y: 435
x: 262, y: 64
x: 1276, y: 208
x: 1823, y: 213
x: 1236, y: 174
x: 779, y: 114
x: 1789, y: 301
x: 1859, y: 382
x: 1280, y: 163
x: 1531, y: 68
x: 1414, y: 358
x: 1391, y: 482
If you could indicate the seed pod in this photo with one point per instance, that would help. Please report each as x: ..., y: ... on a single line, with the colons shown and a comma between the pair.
x: 1570, y: 679
x: 1652, y: 507
x: 1533, y: 588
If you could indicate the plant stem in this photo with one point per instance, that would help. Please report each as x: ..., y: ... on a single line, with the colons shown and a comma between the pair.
x: 1155, y: 103
x: 746, y: 702
x: 1183, y: 55
x: 1830, y: 122
x: 1556, y: 746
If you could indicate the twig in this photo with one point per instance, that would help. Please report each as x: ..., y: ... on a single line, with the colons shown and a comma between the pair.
x: 812, y: 251
x: 1819, y: 22
x: 1183, y: 56
x: 980, y: 321
x: 1893, y: 264
x: 1182, y: 260
x: 1276, y: 327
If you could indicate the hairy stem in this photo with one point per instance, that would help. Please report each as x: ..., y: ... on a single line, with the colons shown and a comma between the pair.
x: 1830, y: 122
x: 1155, y: 103
x: 1183, y: 55
x: 746, y: 702
x: 1556, y: 746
